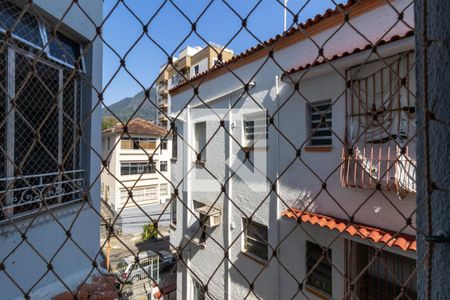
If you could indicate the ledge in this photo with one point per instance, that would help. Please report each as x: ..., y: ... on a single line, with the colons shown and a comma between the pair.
x: 254, y: 149
x: 318, y: 148
x: 40, y: 216
x: 316, y: 292
x: 255, y: 258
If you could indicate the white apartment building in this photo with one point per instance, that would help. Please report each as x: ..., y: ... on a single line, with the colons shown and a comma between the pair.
x: 324, y: 172
x: 48, y: 187
x: 138, y: 163
x: 190, y: 62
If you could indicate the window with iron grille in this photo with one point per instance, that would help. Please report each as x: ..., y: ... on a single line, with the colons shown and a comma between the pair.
x: 133, y: 168
x: 174, y: 144
x: 320, y: 123
x: 164, y: 189
x: 255, y: 239
x: 163, y: 166
x: 318, y: 267
x: 47, y: 96
x: 141, y: 195
x: 173, y: 210
x: 255, y: 129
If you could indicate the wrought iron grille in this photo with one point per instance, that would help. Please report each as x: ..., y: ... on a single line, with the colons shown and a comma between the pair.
x: 287, y: 171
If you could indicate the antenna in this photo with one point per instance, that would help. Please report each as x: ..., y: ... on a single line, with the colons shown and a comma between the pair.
x: 285, y: 11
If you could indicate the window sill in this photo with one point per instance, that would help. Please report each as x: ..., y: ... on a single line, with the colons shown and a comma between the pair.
x: 318, y: 148
x: 173, y: 160
x: 199, y: 162
x: 41, y: 216
x: 172, y: 226
x: 316, y: 292
x: 253, y: 257
x: 254, y: 149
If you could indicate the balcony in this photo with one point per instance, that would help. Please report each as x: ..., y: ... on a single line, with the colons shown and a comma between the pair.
x: 183, y: 63
x: 26, y: 193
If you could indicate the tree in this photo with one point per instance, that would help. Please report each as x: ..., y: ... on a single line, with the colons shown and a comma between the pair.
x: 150, y: 231
x: 108, y: 122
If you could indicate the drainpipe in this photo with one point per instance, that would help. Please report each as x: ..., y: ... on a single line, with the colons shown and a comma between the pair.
x: 226, y: 204
x: 433, y: 150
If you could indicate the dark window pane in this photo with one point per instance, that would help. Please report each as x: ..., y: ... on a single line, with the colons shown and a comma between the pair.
x: 27, y: 28
x: 64, y: 49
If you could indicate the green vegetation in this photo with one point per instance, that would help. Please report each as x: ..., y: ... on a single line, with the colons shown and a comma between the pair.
x: 108, y: 122
x: 150, y: 231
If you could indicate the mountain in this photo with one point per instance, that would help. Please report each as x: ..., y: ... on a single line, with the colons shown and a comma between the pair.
x: 124, y: 108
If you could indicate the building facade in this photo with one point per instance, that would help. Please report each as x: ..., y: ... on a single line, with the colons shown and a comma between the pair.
x: 191, y: 62
x: 130, y: 169
x: 337, y: 192
x: 51, y: 71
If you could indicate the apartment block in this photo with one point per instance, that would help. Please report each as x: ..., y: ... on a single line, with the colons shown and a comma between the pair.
x: 190, y: 62
x: 305, y: 189
x: 135, y: 182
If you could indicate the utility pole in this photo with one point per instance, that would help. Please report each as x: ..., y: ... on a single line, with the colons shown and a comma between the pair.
x: 433, y: 150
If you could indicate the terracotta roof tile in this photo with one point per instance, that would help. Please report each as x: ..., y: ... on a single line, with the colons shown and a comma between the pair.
x: 347, y: 53
x: 138, y: 126
x: 308, y: 23
x: 377, y: 235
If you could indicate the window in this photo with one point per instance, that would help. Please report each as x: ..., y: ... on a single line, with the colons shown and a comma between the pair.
x: 320, y: 123
x: 255, y: 239
x: 200, y: 140
x: 129, y: 168
x: 33, y: 83
x: 109, y: 143
x: 26, y: 29
x: 173, y: 210
x: 163, y: 145
x: 196, y: 69
x: 387, y: 274
x: 320, y: 276
x: 141, y: 195
x: 163, y: 189
x: 138, y: 143
x: 175, y: 144
x: 199, y: 291
x: 64, y: 49
x: 255, y: 129
x: 103, y: 144
x: 163, y: 166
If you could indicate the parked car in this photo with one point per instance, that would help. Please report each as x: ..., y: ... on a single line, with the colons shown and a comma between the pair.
x: 129, y: 271
x: 166, y: 259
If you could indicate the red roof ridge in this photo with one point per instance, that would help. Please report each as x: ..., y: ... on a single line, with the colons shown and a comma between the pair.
x: 377, y: 235
x: 302, y: 26
x: 137, y: 126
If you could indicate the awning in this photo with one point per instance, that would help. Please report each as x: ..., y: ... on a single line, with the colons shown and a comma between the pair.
x: 404, y: 242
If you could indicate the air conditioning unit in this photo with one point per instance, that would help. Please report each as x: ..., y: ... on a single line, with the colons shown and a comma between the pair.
x: 209, y: 216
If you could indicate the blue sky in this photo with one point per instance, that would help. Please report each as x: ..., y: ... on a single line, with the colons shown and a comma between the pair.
x: 169, y: 28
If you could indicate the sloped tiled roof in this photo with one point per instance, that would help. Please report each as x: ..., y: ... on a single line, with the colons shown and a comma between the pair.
x: 311, y: 22
x: 138, y: 126
x: 348, y: 53
x: 377, y: 235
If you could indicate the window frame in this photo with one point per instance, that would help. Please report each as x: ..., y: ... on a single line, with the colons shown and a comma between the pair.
x: 255, y: 117
x: 164, y: 163
x: 198, y: 145
x: 254, y: 239
x: 310, y: 126
x: 324, y: 263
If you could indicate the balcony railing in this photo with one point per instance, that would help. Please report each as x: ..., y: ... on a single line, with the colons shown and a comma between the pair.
x: 24, y: 193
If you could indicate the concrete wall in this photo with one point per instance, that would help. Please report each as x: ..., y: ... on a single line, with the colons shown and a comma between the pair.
x: 295, y: 186
x: 44, y: 234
